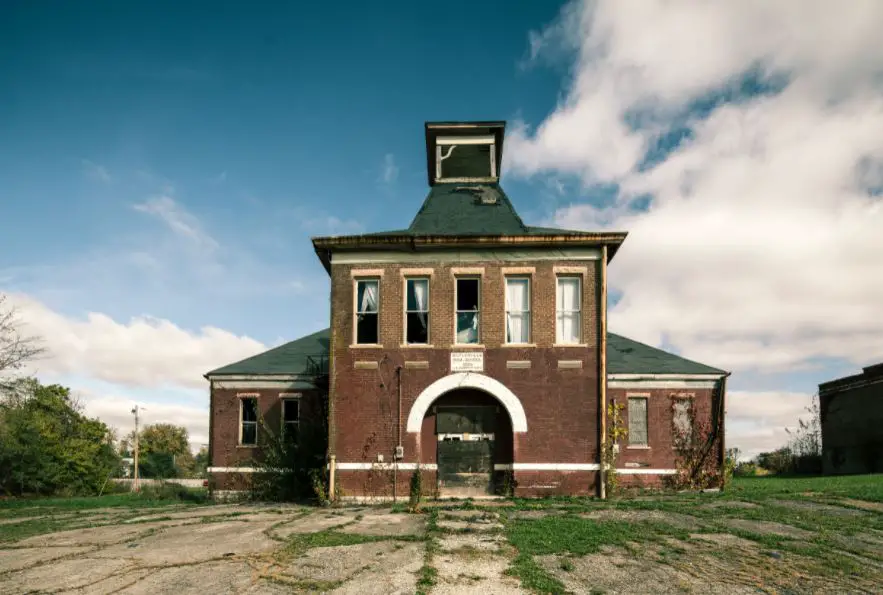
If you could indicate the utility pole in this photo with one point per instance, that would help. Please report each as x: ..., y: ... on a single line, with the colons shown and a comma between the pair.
x: 135, y: 485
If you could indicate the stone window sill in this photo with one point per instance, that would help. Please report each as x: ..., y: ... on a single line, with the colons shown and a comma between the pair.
x: 570, y: 345
x: 467, y: 346
x: 366, y: 346
x: 637, y: 447
x: 517, y: 345
x: 416, y: 346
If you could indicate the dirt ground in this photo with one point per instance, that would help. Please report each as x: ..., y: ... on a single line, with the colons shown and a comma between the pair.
x: 676, y: 545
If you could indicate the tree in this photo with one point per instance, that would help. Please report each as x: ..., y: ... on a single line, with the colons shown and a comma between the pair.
x: 16, y: 349
x: 164, y: 451
x: 200, y: 463
x: 47, y: 445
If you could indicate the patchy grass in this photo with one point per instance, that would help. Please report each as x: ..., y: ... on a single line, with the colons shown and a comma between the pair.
x: 860, y: 487
x: 147, y: 498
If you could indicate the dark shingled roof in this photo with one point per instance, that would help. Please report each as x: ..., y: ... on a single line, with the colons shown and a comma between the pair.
x: 289, y: 358
x: 624, y: 356
x: 457, y: 209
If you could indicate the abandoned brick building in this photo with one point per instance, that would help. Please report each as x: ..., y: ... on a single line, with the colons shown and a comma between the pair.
x: 469, y: 345
x: 851, y: 411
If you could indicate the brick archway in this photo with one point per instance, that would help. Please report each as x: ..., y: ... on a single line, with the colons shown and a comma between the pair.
x: 467, y: 380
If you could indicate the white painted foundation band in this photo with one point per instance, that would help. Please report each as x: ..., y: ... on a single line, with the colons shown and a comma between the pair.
x: 434, y: 467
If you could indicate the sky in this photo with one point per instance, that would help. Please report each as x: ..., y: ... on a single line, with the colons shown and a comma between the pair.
x: 164, y: 165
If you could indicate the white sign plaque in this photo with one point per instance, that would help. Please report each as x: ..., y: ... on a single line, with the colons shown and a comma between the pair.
x: 469, y: 361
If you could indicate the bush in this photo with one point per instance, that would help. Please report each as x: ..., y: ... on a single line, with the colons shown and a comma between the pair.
x: 173, y: 492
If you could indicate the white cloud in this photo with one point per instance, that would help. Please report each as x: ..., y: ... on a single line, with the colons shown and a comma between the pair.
x: 757, y: 421
x: 96, y: 172
x: 178, y: 219
x: 116, y: 411
x: 389, y: 171
x: 143, y: 352
x: 761, y: 246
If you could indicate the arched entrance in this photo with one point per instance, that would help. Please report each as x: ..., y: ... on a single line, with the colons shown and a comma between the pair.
x: 468, y: 433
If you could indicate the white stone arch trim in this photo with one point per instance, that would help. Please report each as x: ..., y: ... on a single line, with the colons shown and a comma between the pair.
x: 481, y: 382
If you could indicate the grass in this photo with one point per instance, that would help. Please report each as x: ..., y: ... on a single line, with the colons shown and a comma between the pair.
x: 859, y: 487
x: 148, y: 497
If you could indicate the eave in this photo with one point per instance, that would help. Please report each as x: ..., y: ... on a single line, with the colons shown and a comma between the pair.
x: 325, y: 246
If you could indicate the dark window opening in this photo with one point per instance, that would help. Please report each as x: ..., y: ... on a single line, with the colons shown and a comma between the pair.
x: 249, y: 422
x: 466, y: 161
x: 468, y: 295
x: 290, y: 419
x: 367, y: 312
x: 417, y: 311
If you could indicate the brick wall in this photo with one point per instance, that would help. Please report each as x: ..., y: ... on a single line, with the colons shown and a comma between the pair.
x: 560, y: 404
x: 224, y: 449
x: 851, y: 438
x: 659, y: 452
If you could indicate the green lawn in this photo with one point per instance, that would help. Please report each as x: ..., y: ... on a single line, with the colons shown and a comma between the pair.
x: 148, y: 497
x: 860, y: 487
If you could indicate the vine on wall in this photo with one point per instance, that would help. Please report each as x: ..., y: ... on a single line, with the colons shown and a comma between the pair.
x: 616, y: 431
x: 692, y: 438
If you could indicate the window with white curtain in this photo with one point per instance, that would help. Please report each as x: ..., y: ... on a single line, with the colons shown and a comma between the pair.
x: 417, y: 311
x: 367, y: 311
x: 517, y: 310
x: 568, y: 315
x: 468, y: 296
x: 637, y: 421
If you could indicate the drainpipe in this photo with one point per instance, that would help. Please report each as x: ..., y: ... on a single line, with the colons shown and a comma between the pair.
x: 395, y: 458
x: 602, y: 371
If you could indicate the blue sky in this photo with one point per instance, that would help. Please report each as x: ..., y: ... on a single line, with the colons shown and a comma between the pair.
x: 165, y: 166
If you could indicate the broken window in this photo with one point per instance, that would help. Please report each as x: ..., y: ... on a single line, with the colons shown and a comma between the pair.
x: 463, y: 158
x: 467, y: 310
x: 417, y: 311
x: 638, y: 421
x: 683, y: 418
x: 367, y: 311
x: 569, y: 321
x: 290, y: 419
x: 518, y: 310
x: 248, y: 425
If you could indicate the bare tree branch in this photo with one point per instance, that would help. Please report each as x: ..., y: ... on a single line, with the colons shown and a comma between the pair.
x: 16, y: 349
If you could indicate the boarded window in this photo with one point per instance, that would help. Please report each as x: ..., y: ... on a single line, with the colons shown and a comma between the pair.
x: 290, y: 419
x: 683, y: 421
x: 367, y: 311
x: 467, y: 310
x: 417, y: 311
x: 465, y: 420
x: 248, y: 429
x: 638, y: 421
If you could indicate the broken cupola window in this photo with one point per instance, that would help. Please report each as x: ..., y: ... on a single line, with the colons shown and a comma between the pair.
x: 417, y: 311
x: 467, y: 310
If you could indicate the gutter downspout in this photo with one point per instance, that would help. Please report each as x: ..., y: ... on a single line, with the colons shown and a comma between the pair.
x: 602, y: 371
x: 717, y: 430
x: 395, y: 457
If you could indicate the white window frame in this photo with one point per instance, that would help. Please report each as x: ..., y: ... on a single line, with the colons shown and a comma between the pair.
x: 295, y: 398
x: 452, y: 142
x: 646, y: 399
x: 528, y: 318
x: 579, y: 281
x: 428, y: 280
x: 242, y: 422
x: 356, y: 281
x: 478, y: 279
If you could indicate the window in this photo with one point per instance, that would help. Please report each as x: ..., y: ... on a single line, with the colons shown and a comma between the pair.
x: 467, y: 310
x: 290, y: 419
x: 248, y: 424
x: 517, y: 310
x: 462, y: 158
x: 568, y: 301
x: 638, y: 421
x: 367, y: 308
x: 417, y: 311
x: 682, y: 420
